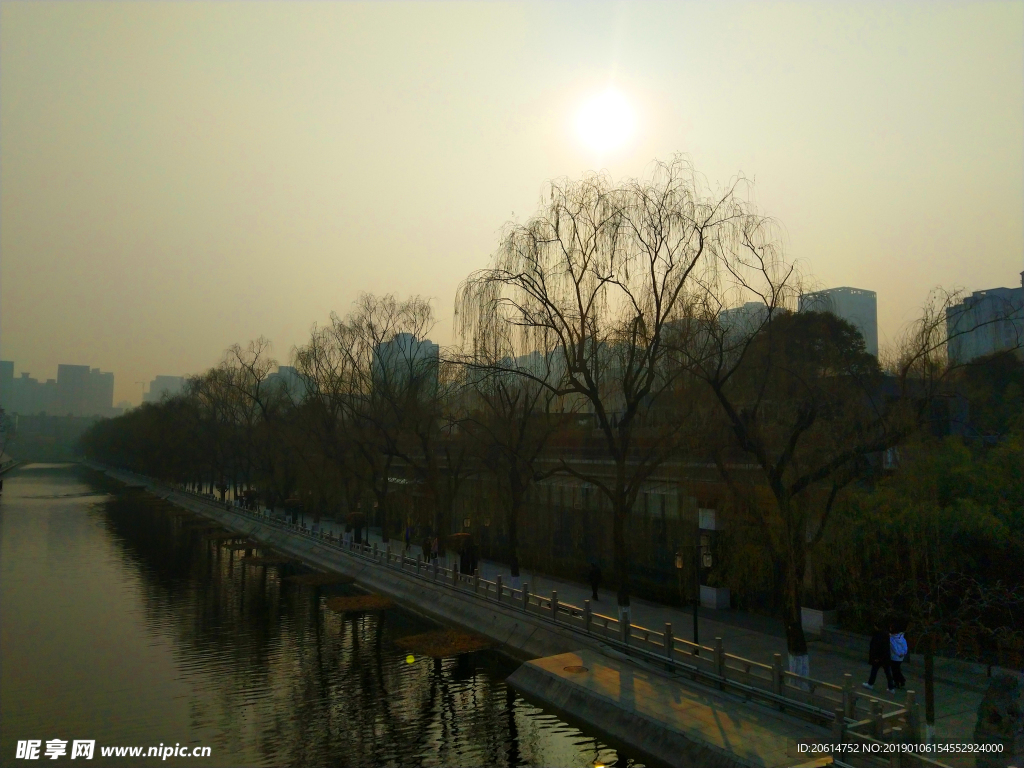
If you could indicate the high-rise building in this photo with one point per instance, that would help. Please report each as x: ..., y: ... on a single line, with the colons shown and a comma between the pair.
x: 290, y: 380
x: 744, y: 319
x: 29, y: 396
x: 406, y: 361
x: 73, y: 389
x: 985, y: 322
x: 163, y: 385
x: 854, y: 305
x: 100, y: 400
x: 7, y: 385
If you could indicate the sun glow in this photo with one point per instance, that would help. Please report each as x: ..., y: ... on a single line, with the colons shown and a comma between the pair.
x: 606, y: 121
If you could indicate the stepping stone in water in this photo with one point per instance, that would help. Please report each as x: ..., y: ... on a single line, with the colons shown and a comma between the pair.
x: 444, y: 643
x: 320, y: 579
x: 271, y: 560
x: 359, y: 603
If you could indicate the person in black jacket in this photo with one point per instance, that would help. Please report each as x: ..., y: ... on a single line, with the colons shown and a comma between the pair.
x: 595, y: 579
x: 878, y: 656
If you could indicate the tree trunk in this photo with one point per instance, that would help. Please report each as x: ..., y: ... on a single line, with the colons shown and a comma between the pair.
x: 792, y: 614
x: 515, y: 502
x: 929, y: 688
x: 621, y: 558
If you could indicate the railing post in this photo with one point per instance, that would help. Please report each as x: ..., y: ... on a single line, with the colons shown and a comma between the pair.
x: 669, y: 640
x: 387, y: 556
x: 554, y: 605
x: 913, y: 726
x: 455, y: 576
x: 526, y: 597
x: 497, y: 587
x: 848, y: 699
x: 587, y: 615
x: 719, y: 659
x: 838, y: 730
x: 896, y: 757
x: 777, y: 675
x: 433, y: 575
x: 624, y: 627
x: 878, y: 724
x: 476, y: 580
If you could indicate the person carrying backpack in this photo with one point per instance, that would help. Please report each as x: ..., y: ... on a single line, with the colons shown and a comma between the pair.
x: 878, y: 656
x: 897, y: 653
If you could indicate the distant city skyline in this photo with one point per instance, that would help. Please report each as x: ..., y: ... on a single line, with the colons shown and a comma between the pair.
x: 856, y: 305
x: 179, y: 177
x: 77, y: 390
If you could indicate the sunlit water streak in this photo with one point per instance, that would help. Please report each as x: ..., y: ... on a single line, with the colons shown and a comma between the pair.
x: 120, y: 623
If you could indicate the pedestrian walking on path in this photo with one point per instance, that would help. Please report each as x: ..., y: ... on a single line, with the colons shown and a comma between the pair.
x: 878, y: 657
x: 897, y: 653
x: 595, y: 579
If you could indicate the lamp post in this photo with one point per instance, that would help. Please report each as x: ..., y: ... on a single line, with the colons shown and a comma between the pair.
x: 702, y: 552
x: 696, y: 601
x: 696, y: 597
x: 679, y: 575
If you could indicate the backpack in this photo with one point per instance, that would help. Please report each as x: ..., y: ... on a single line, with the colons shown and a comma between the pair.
x: 897, y: 647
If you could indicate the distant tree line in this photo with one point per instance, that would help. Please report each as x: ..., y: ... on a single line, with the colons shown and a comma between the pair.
x: 594, y: 347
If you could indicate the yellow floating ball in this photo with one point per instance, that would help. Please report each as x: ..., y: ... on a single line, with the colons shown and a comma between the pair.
x: 410, y: 659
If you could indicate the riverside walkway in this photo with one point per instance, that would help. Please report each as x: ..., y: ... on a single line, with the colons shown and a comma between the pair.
x: 959, y: 687
x: 740, y: 635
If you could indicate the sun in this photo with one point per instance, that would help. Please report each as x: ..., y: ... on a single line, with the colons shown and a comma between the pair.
x: 606, y: 121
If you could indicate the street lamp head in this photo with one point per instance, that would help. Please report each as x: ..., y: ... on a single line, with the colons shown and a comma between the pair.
x: 679, y: 561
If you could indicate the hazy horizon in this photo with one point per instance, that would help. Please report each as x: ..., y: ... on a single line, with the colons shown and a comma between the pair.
x: 178, y: 177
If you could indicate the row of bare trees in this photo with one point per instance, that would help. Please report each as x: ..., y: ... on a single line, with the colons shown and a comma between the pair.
x: 622, y: 328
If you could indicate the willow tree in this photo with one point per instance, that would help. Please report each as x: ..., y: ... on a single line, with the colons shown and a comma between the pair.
x: 512, y: 418
x: 598, y: 280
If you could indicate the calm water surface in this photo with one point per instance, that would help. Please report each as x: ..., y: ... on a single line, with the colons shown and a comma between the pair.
x: 120, y: 623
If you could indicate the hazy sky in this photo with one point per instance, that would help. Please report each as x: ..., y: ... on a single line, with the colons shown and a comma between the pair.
x: 179, y: 176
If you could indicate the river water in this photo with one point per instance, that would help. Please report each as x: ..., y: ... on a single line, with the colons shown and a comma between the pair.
x: 120, y: 623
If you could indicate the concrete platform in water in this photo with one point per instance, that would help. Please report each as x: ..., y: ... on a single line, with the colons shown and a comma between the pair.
x: 660, y: 717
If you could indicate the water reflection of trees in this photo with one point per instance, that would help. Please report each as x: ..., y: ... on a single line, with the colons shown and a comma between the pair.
x: 279, y: 680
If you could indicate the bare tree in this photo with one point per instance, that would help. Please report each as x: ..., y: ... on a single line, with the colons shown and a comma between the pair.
x: 258, y: 408
x: 370, y: 386
x: 327, y: 365
x: 599, y: 279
